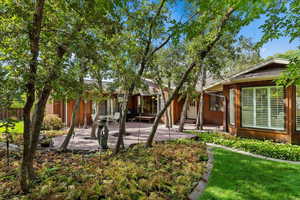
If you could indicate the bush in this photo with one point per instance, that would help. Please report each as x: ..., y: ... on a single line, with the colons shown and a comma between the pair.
x: 266, y: 148
x: 169, y: 170
x: 52, y: 122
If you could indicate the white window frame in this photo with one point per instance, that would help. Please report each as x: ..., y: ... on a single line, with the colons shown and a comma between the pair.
x: 232, y: 97
x: 269, y: 108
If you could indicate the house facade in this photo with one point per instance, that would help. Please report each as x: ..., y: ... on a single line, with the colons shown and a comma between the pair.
x: 142, y: 106
x: 254, y: 106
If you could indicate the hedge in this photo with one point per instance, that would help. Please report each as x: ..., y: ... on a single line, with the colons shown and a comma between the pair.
x: 262, y: 147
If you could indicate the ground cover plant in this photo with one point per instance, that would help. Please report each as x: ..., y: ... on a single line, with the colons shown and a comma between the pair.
x: 167, y: 171
x: 262, y: 147
x: 240, y: 177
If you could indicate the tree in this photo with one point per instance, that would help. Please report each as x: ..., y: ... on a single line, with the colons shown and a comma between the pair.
x: 145, y: 32
x: 216, y: 19
x: 230, y: 55
x: 283, y: 20
x: 291, y: 75
x: 78, y: 96
x: 37, y: 38
x: 165, y: 70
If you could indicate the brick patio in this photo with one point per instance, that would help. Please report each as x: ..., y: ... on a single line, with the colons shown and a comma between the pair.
x: 138, y: 133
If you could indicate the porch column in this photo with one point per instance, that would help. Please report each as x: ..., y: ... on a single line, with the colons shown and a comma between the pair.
x: 66, y: 114
x: 290, y: 123
x: 138, y: 104
x: 225, y: 108
x: 112, y: 106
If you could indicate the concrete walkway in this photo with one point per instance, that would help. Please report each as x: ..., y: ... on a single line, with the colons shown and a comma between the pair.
x: 138, y: 133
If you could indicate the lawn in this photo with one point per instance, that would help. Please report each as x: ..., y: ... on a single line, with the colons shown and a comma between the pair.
x: 241, y: 177
x: 17, y: 129
x: 17, y: 132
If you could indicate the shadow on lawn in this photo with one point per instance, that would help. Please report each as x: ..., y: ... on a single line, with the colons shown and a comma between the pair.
x: 237, y: 176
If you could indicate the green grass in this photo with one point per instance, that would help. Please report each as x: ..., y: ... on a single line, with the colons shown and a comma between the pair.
x: 240, y: 177
x: 17, y: 129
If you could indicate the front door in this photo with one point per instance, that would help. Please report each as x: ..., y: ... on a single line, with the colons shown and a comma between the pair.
x: 192, y: 110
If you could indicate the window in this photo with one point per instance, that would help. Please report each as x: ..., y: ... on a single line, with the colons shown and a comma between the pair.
x: 231, y: 106
x: 297, y: 108
x: 215, y: 103
x: 263, y: 107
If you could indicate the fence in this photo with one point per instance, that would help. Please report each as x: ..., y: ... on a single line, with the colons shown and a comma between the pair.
x: 12, y: 112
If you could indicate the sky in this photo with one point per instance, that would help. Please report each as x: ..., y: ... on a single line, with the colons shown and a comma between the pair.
x: 280, y: 45
x: 253, y: 31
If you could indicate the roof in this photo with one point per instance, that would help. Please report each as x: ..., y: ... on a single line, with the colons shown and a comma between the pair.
x: 150, y: 88
x: 253, y: 73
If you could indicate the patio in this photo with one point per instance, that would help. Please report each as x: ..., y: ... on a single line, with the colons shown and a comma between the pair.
x: 138, y: 133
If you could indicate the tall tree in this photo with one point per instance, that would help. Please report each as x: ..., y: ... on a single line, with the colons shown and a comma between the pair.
x: 145, y: 24
x: 216, y: 19
x: 38, y: 37
x: 283, y: 20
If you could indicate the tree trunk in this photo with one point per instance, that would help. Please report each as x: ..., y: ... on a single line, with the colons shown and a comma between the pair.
x: 166, y: 114
x: 37, y: 121
x: 85, y: 126
x: 170, y: 99
x: 122, y: 125
x: 202, y: 55
x: 76, y: 107
x: 200, y: 120
x: 95, y: 120
x: 34, y: 38
x: 169, y: 109
x: 183, y: 113
x: 66, y: 142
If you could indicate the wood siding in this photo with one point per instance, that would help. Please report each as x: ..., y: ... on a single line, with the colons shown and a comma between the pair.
x: 289, y: 133
x: 211, y: 117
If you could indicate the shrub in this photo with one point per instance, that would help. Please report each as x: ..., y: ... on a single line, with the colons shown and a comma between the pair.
x: 52, y: 122
x: 262, y: 147
x: 169, y: 170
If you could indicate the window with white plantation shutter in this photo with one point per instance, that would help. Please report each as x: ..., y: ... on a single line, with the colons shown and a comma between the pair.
x: 231, y: 106
x: 297, y: 108
x: 277, y: 107
x: 247, y: 107
x: 263, y: 107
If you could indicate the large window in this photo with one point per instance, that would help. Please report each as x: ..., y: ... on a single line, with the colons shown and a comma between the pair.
x: 231, y: 106
x: 297, y: 108
x: 263, y: 107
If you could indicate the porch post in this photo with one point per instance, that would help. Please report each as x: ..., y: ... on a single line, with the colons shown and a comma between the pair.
x: 139, y: 104
x: 290, y: 122
x: 225, y: 108
x: 112, y: 106
x: 66, y: 114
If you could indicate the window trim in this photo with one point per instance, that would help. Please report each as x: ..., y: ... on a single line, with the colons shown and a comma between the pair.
x: 218, y: 100
x: 269, y: 110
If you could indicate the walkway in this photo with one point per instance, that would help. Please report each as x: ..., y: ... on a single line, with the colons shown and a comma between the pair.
x: 137, y: 133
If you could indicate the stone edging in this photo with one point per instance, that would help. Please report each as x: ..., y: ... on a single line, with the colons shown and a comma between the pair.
x: 198, y: 190
x: 252, y: 154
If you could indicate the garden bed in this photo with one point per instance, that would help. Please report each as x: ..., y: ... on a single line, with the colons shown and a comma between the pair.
x: 169, y: 170
x: 262, y: 147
